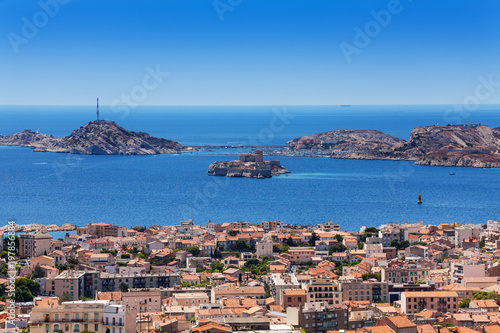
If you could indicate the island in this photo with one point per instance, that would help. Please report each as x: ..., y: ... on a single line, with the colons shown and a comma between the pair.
x: 100, y: 137
x: 248, y: 165
x: 452, y: 145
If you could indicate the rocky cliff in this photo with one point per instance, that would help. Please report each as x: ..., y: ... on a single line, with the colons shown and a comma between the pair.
x: 454, y: 145
x: 97, y: 137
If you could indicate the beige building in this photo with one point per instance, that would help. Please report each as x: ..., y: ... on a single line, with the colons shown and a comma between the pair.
x: 235, y: 292
x: 99, y: 230
x: 78, y: 316
x: 74, y: 283
x: 359, y: 290
x: 406, y: 273
x: 442, y: 301
x: 142, y: 300
x: 34, y: 245
x: 323, y: 290
x: 190, y: 299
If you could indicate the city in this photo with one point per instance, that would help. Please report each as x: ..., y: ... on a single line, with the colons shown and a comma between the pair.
x: 259, y: 277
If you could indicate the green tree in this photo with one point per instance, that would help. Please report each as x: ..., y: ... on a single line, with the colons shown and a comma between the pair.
x: 368, y: 276
x: 482, y: 242
x: 233, y: 232
x: 313, y: 239
x: 65, y: 297
x: 336, y: 247
x: 194, y: 250
x: 464, y: 303
x: 339, y: 238
x: 123, y: 287
x: 38, y: 272
x: 26, y: 289
x: 217, y: 265
x: 241, y: 245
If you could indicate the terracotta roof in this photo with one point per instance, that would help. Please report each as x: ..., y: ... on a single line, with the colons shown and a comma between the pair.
x: 430, y: 293
x: 46, y: 302
x: 400, y: 321
x: 290, y: 292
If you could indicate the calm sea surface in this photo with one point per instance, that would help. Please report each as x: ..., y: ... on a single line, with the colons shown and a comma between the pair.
x: 52, y: 188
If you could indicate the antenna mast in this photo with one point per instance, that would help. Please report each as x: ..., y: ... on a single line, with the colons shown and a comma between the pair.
x: 97, y: 108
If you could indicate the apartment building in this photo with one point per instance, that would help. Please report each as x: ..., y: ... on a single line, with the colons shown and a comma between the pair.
x: 100, y: 230
x: 359, y: 290
x: 281, y: 282
x: 257, y: 293
x: 415, y: 301
x: 271, y: 225
x: 74, y: 283
x: 78, y: 316
x: 459, y: 271
x: 406, y: 273
x: 298, y: 255
x: 34, y: 245
x: 318, y: 317
x: 323, y: 290
x: 190, y: 299
x: 294, y: 298
x: 111, y: 282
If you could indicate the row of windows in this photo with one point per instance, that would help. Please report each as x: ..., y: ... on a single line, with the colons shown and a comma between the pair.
x: 363, y: 298
x: 409, y: 299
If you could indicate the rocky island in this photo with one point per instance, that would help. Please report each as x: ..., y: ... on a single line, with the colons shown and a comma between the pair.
x: 248, y: 165
x: 100, y: 137
x: 453, y: 145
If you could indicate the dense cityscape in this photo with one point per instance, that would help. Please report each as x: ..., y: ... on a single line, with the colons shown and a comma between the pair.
x: 238, y: 276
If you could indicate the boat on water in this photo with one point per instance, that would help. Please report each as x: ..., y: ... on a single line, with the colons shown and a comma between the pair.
x: 452, y: 174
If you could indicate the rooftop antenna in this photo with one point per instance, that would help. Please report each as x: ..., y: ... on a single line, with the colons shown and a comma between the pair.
x: 97, y: 108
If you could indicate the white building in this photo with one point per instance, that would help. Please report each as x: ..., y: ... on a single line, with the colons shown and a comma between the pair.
x: 459, y: 271
x: 264, y: 248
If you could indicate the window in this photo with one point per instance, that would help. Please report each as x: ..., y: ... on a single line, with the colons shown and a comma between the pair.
x: 96, y: 327
x: 56, y: 328
x: 96, y: 318
x: 77, y: 328
x: 47, y: 327
x: 56, y: 317
x: 66, y: 317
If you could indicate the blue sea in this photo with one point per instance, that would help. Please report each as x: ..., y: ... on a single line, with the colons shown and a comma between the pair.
x: 50, y: 188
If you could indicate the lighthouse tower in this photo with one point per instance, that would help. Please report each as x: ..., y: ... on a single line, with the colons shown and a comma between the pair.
x: 97, y: 108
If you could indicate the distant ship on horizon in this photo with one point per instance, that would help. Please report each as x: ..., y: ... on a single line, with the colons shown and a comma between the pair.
x: 345, y: 106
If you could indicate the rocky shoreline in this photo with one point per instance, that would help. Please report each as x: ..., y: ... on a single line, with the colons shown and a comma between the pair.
x: 100, y: 137
x: 39, y: 227
x: 475, y: 146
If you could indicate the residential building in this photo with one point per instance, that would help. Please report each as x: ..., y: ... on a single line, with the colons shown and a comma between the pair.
x: 406, y: 273
x: 100, y: 230
x: 74, y: 283
x: 459, y: 271
x: 34, y: 245
x: 219, y: 292
x: 190, y: 299
x: 281, y: 282
x: 294, y: 298
x: 323, y: 290
x: 359, y: 290
x: 442, y: 301
x: 318, y: 317
x: 111, y: 282
x: 78, y: 316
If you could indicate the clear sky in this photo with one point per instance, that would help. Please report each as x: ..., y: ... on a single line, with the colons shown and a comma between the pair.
x: 248, y: 52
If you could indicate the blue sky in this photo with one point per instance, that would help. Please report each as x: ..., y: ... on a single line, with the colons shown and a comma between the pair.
x: 262, y: 52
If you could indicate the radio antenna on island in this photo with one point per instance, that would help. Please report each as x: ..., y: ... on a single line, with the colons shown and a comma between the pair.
x: 97, y: 108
